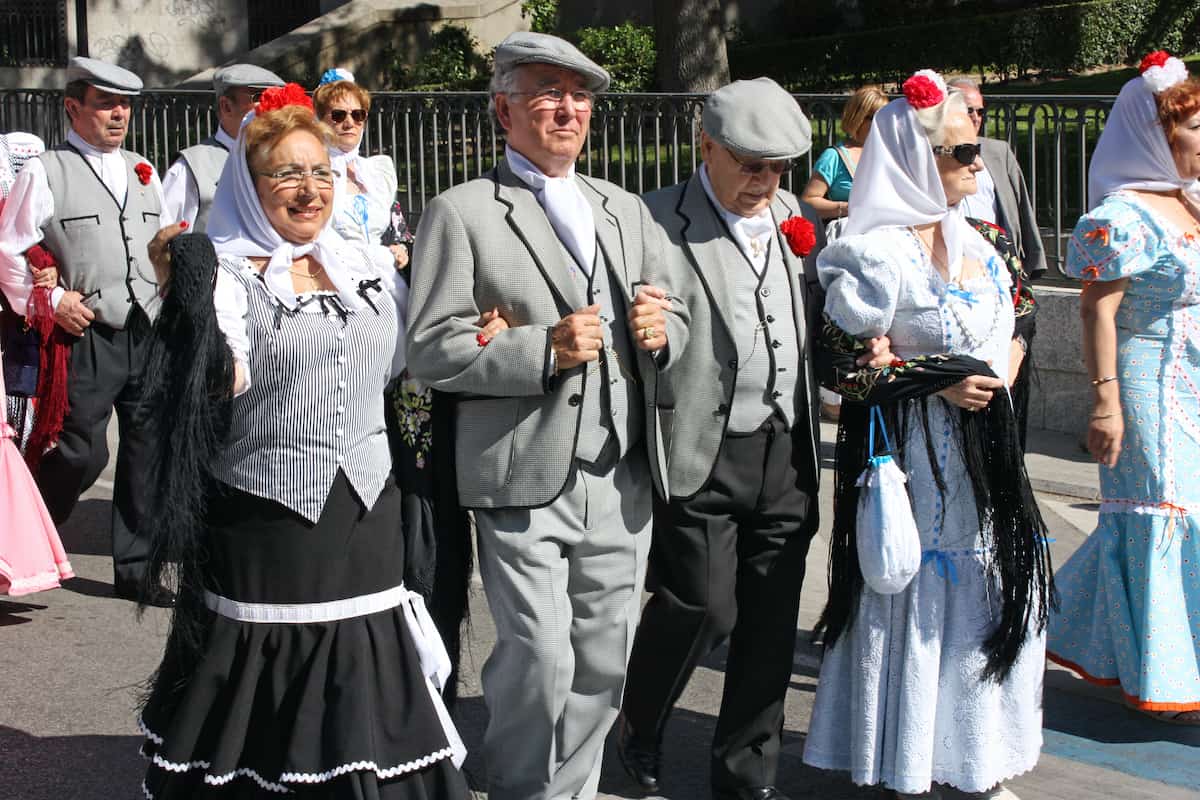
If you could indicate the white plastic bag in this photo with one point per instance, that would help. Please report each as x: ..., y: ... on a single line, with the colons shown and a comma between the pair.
x: 889, y: 546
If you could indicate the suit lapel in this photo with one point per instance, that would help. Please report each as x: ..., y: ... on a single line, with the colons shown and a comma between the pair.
x: 529, y: 222
x: 608, y: 235
x: 1005, y: 199
x: 703, y: 238
x: 796, y: 268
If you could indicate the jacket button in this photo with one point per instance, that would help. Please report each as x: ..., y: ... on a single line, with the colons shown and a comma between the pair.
x: 722, y: 409
x: 770, y: 318
x: 777, y: 395
x: 574, y: 400
x: 777, y: 344
x: 733, y: 363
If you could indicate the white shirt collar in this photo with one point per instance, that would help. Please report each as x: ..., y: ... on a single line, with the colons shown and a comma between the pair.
x: 751, y: 234
x: 109, y: 166
x: 527, y: 171
x: 225, y: 139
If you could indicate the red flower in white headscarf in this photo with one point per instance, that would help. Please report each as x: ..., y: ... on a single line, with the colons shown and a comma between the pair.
x: 1161, y: 70
x: 924, y: 89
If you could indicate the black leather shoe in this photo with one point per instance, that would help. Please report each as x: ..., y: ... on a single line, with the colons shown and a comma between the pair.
x: 751, y: 793
x: 640, y: 760
x: 158, y: 596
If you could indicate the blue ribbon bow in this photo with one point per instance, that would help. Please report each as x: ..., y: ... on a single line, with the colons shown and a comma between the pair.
x: 942, y: 563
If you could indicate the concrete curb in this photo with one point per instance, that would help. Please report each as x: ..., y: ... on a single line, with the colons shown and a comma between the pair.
x: 1063, y: 489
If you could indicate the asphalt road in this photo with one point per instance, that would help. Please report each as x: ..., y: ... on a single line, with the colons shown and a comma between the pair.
x: 73, y: 660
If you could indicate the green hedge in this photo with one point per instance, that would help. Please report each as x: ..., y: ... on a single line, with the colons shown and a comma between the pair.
x: 1071, y: 36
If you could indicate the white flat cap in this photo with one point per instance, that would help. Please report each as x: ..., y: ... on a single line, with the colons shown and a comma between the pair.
x: 757, y: 118
x: 541, y: 48
x: 235, y: 75
x: 104, y: 76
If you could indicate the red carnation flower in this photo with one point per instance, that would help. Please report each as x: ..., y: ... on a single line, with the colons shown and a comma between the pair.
x: 1155, y: 59
x: 276, y: 97
x: 922, y: 92
x: 801, y: 236
x: 144, y: 171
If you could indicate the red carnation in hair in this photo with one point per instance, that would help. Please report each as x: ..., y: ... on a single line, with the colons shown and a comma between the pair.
x: 800, y: 234
x: 922, y: 92
x: 276, y: 97
x: 1156, y: 59
x: 144, y: 171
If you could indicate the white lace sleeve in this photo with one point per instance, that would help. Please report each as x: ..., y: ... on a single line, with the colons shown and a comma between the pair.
x: 862, y: 281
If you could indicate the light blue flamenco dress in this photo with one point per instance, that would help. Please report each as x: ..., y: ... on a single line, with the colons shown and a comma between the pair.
x: 1130, y: 613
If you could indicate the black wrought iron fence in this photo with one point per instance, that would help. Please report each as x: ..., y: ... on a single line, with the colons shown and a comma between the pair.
x: 33, y: 33
x: 639, y: 141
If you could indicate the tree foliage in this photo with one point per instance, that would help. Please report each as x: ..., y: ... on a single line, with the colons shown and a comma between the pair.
x: 451, y: 63
x: 626, y: 51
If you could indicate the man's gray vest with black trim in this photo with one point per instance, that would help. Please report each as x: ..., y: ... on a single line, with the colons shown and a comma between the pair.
x: 100, y: 243
x: 205, y: 160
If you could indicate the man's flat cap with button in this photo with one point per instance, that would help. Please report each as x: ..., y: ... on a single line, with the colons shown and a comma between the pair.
x: 540, y: 48
x: 757, y: 118
x: 249, y: 75
x: 104, y: 76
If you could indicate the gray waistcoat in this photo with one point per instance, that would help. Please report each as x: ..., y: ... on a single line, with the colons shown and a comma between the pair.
x: 204, y: 161
x: 768, y: 355
x: 609, y: 383
x: 315, y: 402
x: 100, y: 244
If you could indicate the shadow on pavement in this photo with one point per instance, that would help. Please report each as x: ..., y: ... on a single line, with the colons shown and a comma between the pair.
x: 76, y: 767
x: 88, y: 587
x: 9, y: 609
x: 1068, y: 710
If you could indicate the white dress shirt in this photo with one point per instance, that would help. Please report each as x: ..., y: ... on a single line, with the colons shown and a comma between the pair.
x: 568, y: 210
x: 753, y: 235
x: 982, y: 204
x: 181, y: 200
x: 30, y: 205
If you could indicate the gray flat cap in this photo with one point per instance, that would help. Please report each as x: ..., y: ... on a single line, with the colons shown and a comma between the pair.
x: 757, y: 118
x: 235, y: 75
x: 104, y: 76
x: 541, y: 48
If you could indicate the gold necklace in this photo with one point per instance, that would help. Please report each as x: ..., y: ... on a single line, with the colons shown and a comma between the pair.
x: 309, y: 275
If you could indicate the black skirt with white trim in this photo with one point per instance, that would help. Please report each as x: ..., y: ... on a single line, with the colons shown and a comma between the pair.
x: 333, y: 709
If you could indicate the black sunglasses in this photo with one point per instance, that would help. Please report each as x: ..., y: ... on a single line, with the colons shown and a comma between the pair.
x: 338, y: 115
x: 964, y: 154
x: 979, y: 110
x: 776, y: 165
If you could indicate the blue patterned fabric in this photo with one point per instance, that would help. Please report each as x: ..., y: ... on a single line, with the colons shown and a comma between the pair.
x: 1131, y: 594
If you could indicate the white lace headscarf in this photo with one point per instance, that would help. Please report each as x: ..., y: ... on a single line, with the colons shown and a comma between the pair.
x: 1133, y: 152
x: 238, y: 226
x: 897, y: 183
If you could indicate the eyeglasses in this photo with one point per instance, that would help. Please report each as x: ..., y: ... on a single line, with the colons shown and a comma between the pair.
x: 338, y: 115
x: 292, y: 177
x: 964, y: 154
x: 582, y: 98
x: 978, y: 111
x: 778, y: 166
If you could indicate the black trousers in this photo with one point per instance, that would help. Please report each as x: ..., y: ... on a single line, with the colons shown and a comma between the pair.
x: 105, y: 374
x: 728, y: 563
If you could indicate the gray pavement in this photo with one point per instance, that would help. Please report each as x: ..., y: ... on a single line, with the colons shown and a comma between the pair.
x: 72, y: 662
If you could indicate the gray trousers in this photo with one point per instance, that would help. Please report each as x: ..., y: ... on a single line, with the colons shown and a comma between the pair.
x: 563, y: 583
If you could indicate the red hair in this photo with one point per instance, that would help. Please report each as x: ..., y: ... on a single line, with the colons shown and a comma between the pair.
x: 1178, y: 104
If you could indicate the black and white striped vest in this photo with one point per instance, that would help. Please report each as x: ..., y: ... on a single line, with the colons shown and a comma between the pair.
x: 315, y: 402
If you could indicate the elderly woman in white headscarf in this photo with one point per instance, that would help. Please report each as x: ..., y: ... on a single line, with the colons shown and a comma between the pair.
x: 364, y: 198
x: 938, y: 681
x: 1129, y: 593
x: 297, y: 662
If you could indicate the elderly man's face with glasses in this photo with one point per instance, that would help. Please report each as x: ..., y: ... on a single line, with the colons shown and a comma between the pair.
x: 976, y: 110
x: 546, y: 117
x: 742, y: 184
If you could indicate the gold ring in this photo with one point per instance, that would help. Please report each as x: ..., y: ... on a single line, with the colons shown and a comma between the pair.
x: 648, y: 334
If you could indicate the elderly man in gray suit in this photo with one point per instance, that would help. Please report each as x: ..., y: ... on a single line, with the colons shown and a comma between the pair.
x: 730, y: 538
x: 1002, y: 198
x: 553, y: 423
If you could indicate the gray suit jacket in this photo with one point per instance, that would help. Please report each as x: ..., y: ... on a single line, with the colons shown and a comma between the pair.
x: 1017, y: 215
x: 697, y: 384
x: 487, y: 244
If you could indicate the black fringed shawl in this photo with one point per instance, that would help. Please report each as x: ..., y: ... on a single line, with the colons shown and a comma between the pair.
x: 1012, y: 527
x: 187, y: 399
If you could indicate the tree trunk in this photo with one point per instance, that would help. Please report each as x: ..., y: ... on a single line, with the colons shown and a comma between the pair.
x: 690, y: 35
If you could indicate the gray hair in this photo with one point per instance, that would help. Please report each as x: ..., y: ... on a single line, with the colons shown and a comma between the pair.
x: 965, y: 84
x: 933, y: 119
x: 504, y: 81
